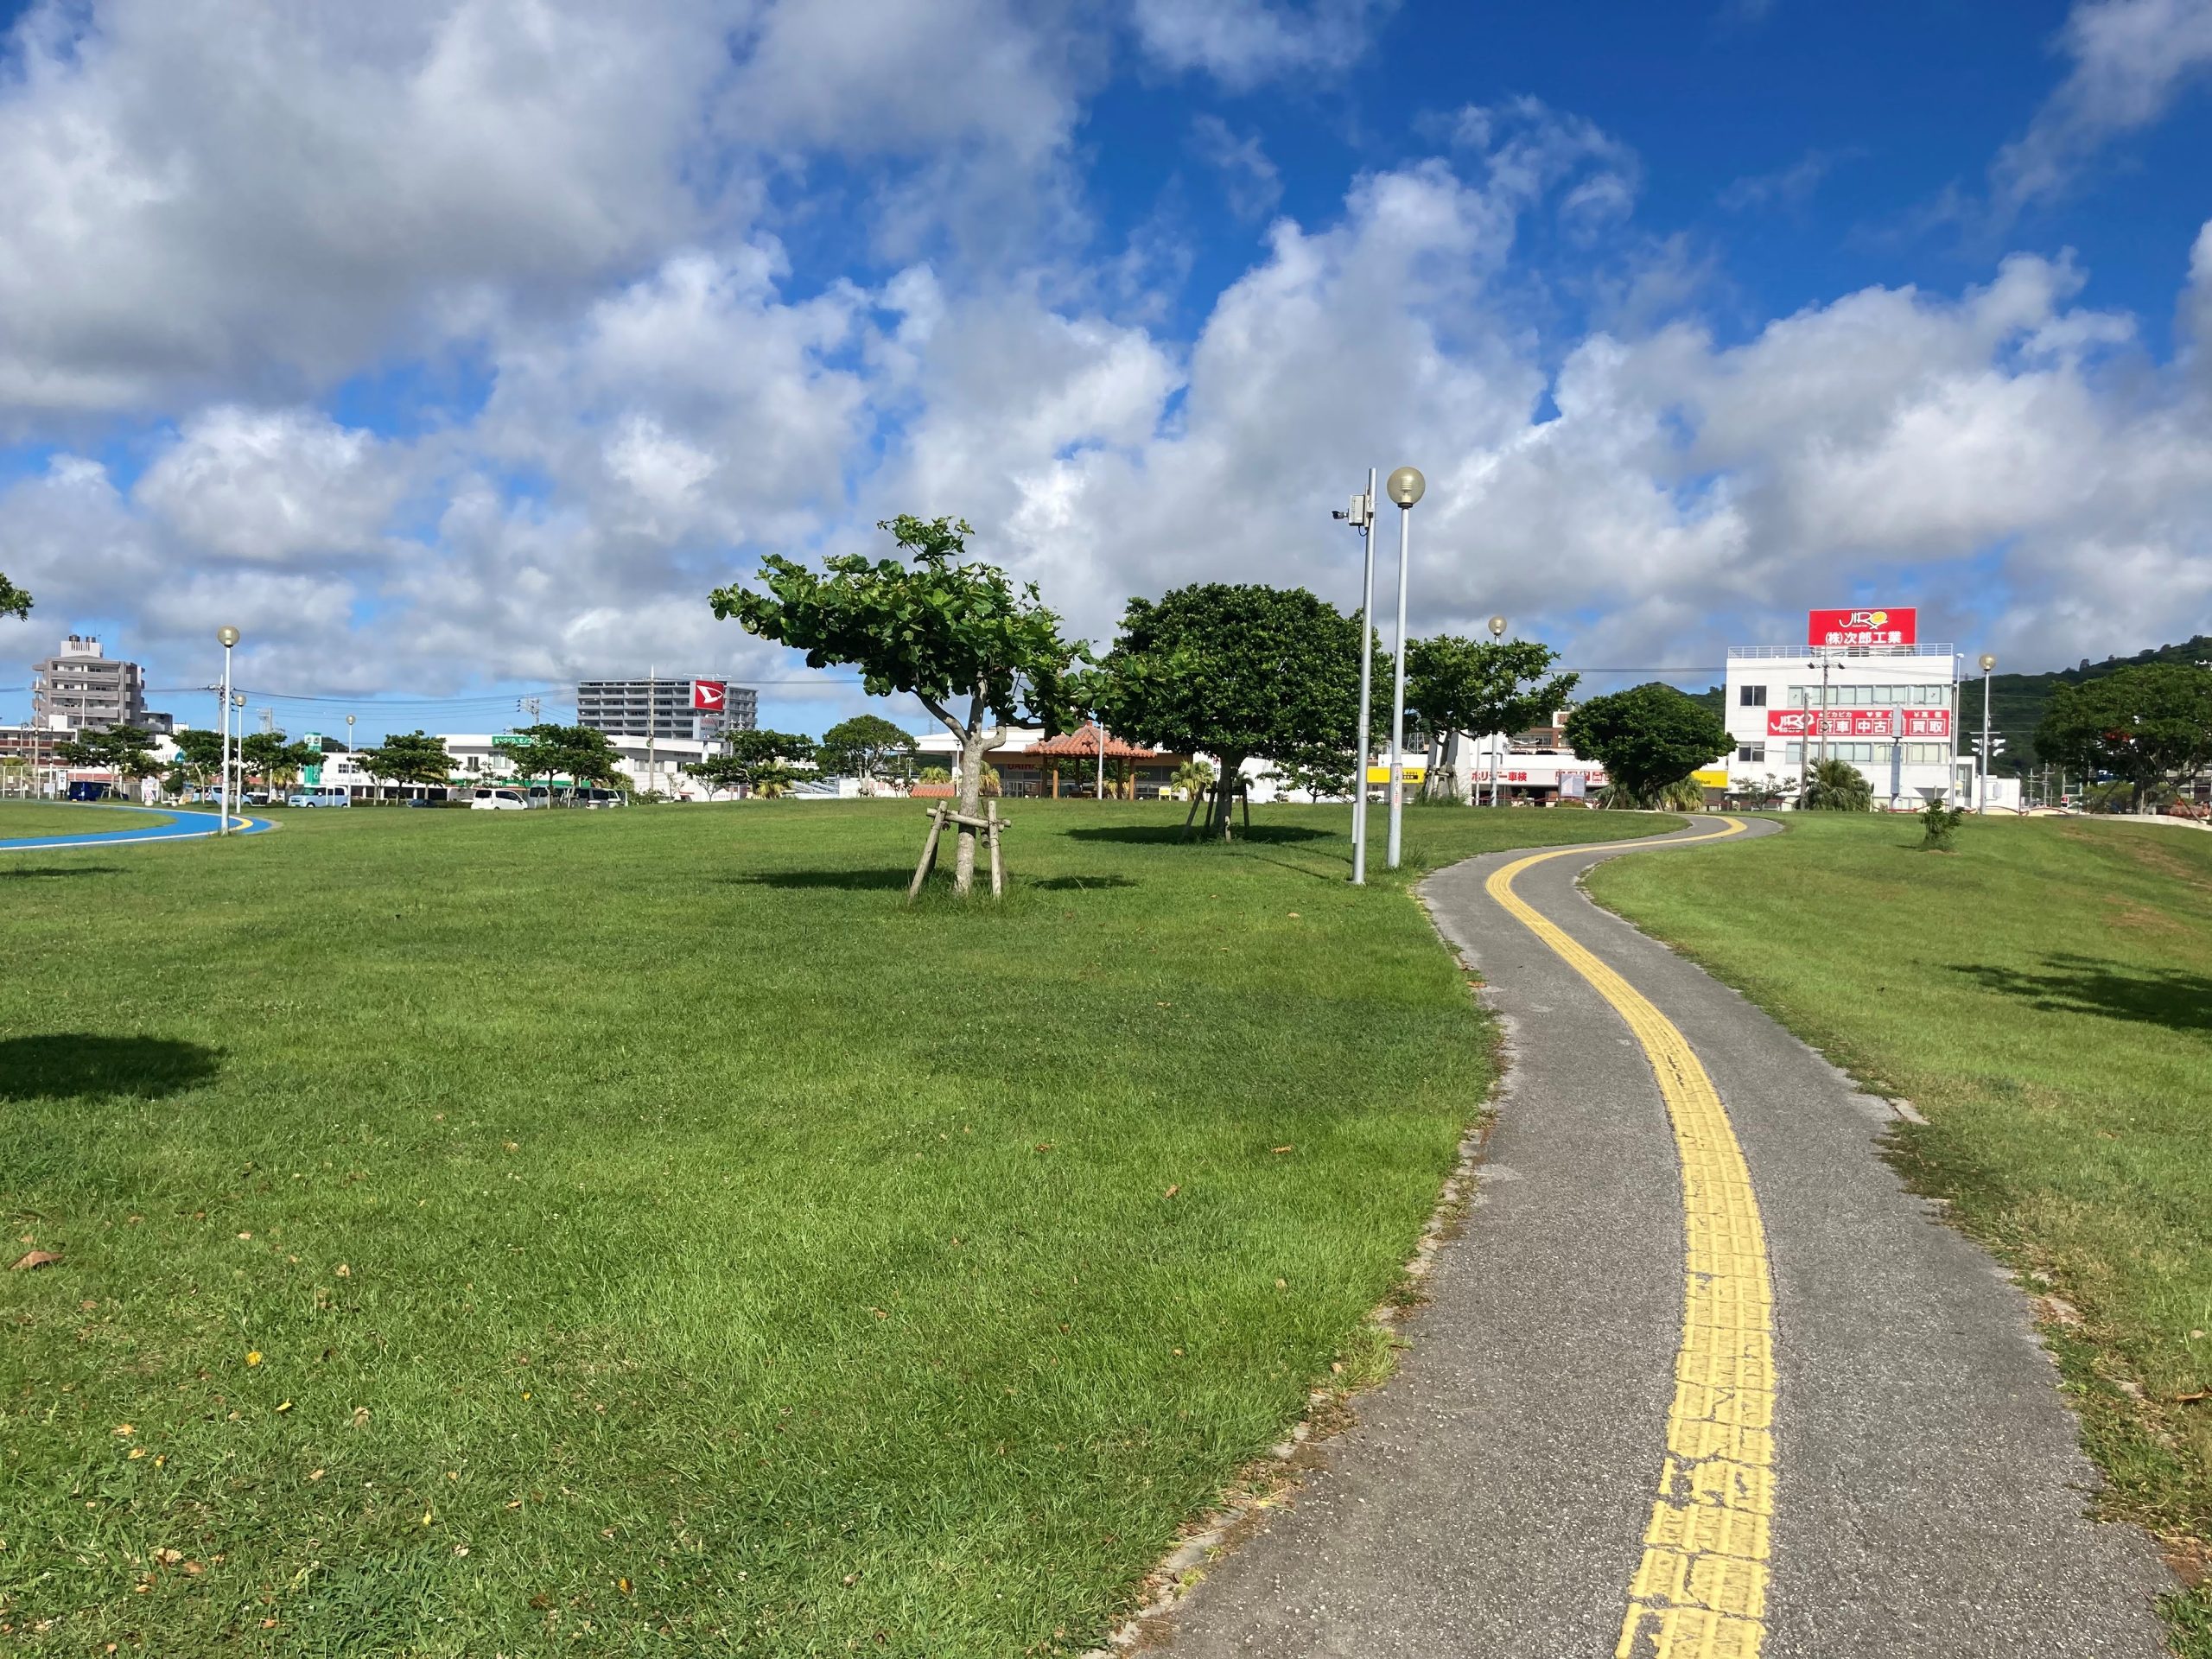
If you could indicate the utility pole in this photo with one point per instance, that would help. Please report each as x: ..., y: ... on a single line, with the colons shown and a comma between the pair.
x: 1497, y: 738
x: 1361, y: 517
x: 652, y: 725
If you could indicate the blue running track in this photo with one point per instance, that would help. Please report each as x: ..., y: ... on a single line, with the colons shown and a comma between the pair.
x: 187, y: 826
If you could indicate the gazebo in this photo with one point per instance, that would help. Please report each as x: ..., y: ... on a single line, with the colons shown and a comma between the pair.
x: 1078, y: 753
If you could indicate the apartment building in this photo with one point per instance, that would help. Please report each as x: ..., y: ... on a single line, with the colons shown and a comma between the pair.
x: 682, y: 707
x: 82, y: 689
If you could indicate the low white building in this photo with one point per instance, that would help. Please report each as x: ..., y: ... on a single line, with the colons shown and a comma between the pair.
x: 1863, y: 689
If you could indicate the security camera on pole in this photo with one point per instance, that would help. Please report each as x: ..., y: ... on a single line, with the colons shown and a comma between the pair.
x: 227, y: 636
x: 1361, y: 517
x: 1405, y: 487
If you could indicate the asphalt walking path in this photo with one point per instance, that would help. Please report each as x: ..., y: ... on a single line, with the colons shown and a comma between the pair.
x: 1698, y: 1377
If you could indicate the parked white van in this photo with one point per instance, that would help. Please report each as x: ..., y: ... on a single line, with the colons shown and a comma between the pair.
x: 499, y: 800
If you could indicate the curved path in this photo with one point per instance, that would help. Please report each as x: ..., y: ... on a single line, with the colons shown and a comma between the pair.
x: 1697, y: 1377
x: 186, y: 827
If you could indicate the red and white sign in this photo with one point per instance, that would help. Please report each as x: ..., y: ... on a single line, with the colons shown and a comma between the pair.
x: 1862, y: 628
x: 708, y: 695
x: 1839, y: 722
x: 1927, y: 722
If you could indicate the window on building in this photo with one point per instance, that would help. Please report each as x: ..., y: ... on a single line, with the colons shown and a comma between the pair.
x: 1752, y: 752
x: 1750, y: 696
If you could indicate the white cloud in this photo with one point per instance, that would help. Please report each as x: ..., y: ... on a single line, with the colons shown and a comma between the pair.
x: 1243, y: 42
x: 1251, y: 181
x: 273, y: 485
x: 2131, y: 59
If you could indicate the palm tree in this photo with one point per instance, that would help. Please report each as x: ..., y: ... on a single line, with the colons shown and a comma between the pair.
x: 1836, y: 786
x: 1193, y: 778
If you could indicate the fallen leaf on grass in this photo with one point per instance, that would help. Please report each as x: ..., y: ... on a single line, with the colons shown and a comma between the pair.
x: 169, y: 1557
x: 36, y: 1259
x: 1044, y: 1146
x: 125, y: 1428
x: 623, y: 1585
x: 1279, y: 1149
x: 1174, y: 1190
x: 253, y: 1356
x: 2191, y: 1399
x: 318, y: 1474
x: 287, y: 1406
x: 137, y: 1451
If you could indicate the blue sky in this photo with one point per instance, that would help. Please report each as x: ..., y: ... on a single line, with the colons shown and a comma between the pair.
x: 454, y: 350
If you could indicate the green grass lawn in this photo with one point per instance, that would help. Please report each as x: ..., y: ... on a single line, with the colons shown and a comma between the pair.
x: 2044, y: 995
x: 21, y: 819
x: 640, y: 1232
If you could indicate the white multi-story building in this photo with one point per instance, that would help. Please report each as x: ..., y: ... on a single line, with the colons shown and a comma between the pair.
x: 1868, y: 693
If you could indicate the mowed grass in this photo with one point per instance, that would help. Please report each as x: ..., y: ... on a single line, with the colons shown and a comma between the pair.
x: 640, y: 1232
x: 20, y: 820
x: 2044, y: 995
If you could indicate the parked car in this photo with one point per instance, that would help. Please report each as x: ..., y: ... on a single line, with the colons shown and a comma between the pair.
x: 319, y: 798
x: 499, y: 800
x: 600, y: 797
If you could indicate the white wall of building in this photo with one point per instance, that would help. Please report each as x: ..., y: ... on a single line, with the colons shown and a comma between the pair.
x: 1890, y: 711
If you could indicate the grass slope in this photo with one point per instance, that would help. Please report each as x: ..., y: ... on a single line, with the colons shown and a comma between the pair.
x: 21, y: 820
x: 640, y: 1232
x: 2044, y: 996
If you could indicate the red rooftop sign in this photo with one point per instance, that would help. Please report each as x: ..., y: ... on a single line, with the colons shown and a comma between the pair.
x: 708, y: 695
x: 1863, y: 628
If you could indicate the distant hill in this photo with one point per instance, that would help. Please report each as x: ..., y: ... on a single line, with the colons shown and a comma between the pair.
x: 2017, y: 701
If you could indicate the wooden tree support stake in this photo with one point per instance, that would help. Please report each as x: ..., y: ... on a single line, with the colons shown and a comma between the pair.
x: 929, y: 852
x: 998, y: 870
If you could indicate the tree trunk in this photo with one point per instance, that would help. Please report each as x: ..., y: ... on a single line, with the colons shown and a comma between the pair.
x: 1451, y: 766
x: 971, y: 806
x: 1433, y: 785
x: 1232, y: 774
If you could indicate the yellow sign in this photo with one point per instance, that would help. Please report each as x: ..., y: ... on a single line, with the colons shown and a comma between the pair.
x: 1382, y: 774
x: 1716, y: 778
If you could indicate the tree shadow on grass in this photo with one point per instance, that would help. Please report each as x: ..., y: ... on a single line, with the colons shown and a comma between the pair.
x: 42, y: 872
x: 68, y: 1064
x: 1167, y: 834
x: 2158, y: 996
x: 843, y: 881
x: 1080, y: 883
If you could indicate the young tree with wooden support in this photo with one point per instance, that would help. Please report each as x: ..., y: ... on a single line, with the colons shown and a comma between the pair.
x: 938, y: 627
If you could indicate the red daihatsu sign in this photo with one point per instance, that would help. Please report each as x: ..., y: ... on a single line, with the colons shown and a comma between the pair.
x: 1862, y: 628
x: 708, y: 695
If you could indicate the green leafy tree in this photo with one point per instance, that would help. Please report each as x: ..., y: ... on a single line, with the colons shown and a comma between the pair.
x: 14, y: 601
x: 2147, y: 726
x: 1836, y: 786
x: 1647, y: 738
x: 200, y: 756
x: 939, y: 627
x: 867, y: 746
x: 1478, y: 687
x: 1242, y: 673
x: 764, y: 762
x: 408, y: 758
x: 275, y: 759
x: 583, y: 754
x: 934, y: 775
x: 127, y: 751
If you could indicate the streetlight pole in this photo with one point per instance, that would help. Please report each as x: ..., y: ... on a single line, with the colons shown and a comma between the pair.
x: 1497, y: 739
x: 1981, y: 781
x: 1361, y: 517
x: 227, y: 636
x: 1406, y: 486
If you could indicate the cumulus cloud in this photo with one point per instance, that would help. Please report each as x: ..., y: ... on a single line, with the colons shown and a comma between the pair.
x: 2131, y: 59
x: 274, y: 486
x: 1243, y: 42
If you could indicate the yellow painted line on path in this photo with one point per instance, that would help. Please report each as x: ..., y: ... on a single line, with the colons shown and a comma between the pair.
x: 1700, y: 1590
